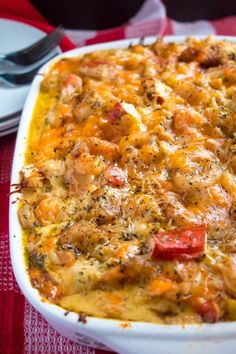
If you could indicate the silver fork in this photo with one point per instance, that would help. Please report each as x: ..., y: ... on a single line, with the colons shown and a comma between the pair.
x: 24, y: 77
x: 36, y: 51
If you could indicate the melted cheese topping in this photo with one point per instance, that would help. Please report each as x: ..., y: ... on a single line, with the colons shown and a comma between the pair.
x: 125, y: 144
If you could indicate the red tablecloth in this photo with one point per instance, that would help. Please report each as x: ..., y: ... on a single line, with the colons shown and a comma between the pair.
x: 22, y: 329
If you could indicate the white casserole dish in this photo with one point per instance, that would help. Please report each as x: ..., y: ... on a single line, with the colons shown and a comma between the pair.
x: 123, y: 337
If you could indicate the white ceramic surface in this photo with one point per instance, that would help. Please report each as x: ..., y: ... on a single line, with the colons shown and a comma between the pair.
x: 136, y: 337
x: 10, y: 122
x: 10, y: 130
x: 14, y: 36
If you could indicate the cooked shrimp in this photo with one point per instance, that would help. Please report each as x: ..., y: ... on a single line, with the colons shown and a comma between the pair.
x: 99, y: 70
x: 26, y: 216
x: 50, y: 210
x: 83, y: 235
x: 103, y: 147
x: 186, y: 120
x: 31, y: 177
x: 83, y: 162
x: 155, y: 91
x: 106, y: 204
x: 51, y: 168
x: 177, y: 212
x: 193, y: 168
x: 206, y: 206
x: 72, y: 87
x: 86, y: 160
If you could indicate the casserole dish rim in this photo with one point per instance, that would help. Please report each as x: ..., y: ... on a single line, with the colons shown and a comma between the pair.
x: 57, y: 313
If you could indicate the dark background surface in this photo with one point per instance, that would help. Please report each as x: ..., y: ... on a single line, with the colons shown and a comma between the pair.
x: 101, y: 14
x: 88, y: 14
x: 192, y: 10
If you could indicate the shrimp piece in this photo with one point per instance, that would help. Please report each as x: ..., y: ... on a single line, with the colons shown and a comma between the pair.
x: 55, y: 168
x: 155, y: 91
x: 84, y: 163
x: 207, y: 58
x: 84, y: 235
x: 50, y: 82
x: 207, y: 206
x: 31, y: 177
x: 98, y: 69
x: 126, y: 115
x: 54, y: 171
x: 62, y: 257
x: 50, y: 211
x: 193, y: 168
x: 92, y: 102
x: 144, y: 205
x: 81, y: 171
x: 218, y: 196
x: 82, y: 168
x: 26, y: 216
x: 85, y: 155
x: 72, y: 87
x: 82, y: 111
x: 187, y: 121
x: 106, y: 202
x: 176, y: 211
x: 62, y: 114
x: 209, y: 310
x: 214, y: 204
x: 103, y: 147
x: 114, y: 275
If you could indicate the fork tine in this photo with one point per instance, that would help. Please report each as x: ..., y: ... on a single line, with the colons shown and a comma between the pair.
x: 39, y: 53
x: 37, y: 50
x: 44, y: 41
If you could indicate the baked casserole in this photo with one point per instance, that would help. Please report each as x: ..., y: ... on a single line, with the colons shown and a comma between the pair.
x: 128, y: 203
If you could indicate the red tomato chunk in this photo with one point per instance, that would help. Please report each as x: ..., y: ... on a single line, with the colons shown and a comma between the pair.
x: 115, y: 113
x: 181, y: 244
x: 208, y: 310
x: 116, y: 176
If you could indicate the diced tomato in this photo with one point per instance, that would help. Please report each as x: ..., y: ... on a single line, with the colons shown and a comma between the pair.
x: 181, y: 244
x: 116, y: 176
x: 209, y: 310
x: 115, y: 113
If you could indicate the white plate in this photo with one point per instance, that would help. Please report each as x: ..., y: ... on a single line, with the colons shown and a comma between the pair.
x: 10, y: 122
x: 14, y: 36
x: 9, y: 131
